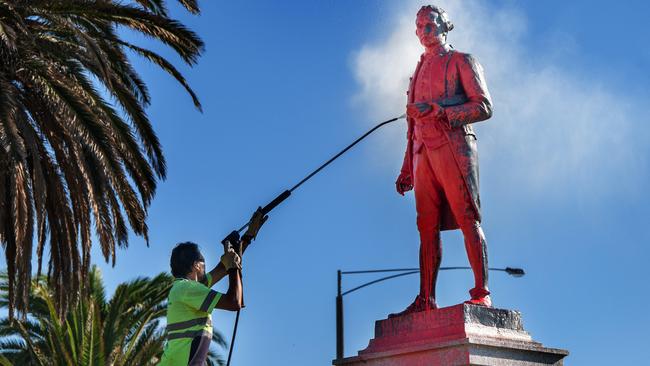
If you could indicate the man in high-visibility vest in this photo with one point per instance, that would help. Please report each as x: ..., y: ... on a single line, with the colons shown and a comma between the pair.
x: 191, y: 301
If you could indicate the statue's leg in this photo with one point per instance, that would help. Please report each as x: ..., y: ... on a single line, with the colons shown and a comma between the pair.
x: 476, y: 247
x: 461, y: 206
x: 427, y: 202
x: 430, y: 255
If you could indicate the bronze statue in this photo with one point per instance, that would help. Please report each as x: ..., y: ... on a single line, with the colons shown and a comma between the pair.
x: 447, y: 93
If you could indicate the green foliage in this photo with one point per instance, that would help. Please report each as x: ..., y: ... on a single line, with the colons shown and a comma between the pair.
x: 123, y: 331
x: 77, y: 149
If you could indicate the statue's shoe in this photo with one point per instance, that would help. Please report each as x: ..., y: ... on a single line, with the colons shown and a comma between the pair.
x: 419, y: 304
x: 480, y: 296
x: 481, y: 301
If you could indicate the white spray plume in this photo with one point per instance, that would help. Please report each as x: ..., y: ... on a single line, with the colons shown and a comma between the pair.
x: 550, y: 128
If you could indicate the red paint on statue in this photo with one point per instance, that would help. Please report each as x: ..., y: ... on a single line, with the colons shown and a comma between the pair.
x: 446, y: 94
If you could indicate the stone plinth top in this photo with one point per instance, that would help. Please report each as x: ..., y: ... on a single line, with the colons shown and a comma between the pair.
x: 457, y: 335
x: 454, y: 322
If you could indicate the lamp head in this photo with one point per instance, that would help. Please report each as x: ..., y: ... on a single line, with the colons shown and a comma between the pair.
x: 515, y: 272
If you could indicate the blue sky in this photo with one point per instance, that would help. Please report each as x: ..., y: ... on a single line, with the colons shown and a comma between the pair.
x: 564, y: 168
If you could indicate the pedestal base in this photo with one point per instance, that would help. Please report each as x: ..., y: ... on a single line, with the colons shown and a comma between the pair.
x: 454, y: 336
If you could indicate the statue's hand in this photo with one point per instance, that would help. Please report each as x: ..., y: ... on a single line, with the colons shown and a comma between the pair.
x: 438, y: 113
x: 418, y: 110
x: 404, y: 183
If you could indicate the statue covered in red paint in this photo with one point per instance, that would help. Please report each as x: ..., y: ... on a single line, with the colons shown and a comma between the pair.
x: 446, y: 95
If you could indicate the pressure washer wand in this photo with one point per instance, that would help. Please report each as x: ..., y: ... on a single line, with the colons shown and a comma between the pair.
x: 284, y: 195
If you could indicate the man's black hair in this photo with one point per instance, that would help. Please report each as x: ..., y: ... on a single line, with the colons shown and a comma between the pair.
x: 183, y: 257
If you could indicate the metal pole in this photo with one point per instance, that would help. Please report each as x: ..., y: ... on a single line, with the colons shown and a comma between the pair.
x: 339, y: 319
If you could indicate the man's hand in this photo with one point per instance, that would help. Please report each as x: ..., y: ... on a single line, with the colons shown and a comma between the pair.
x: 231, y: 260
x: 255, y: 224
x: 404, y: 183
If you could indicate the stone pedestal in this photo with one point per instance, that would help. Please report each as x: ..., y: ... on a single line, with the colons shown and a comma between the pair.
x: 454, y: 336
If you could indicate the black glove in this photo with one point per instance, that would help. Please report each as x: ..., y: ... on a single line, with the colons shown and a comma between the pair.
x: 231, y: 260
x: 255, y: 224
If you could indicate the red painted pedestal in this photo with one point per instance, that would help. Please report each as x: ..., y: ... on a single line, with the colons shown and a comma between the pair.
x: 457, y: 335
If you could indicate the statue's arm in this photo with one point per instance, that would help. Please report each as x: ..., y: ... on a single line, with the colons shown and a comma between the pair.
x: 479, y: 104
x: 408, y: 154
x: 404, y: 181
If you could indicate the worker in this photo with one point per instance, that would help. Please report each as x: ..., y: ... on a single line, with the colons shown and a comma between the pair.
x: 191, y: 301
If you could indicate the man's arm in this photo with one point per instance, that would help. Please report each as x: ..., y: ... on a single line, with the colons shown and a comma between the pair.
x: 219, y: 271
x: 479, y: 104
x: 215, y: 275
x: 232, y: 300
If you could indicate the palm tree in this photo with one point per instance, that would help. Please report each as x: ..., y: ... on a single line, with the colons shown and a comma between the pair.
x: 122, y: 331
x: 77, y: 149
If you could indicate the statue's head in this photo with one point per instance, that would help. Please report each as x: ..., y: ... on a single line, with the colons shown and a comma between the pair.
x: 432, y: 25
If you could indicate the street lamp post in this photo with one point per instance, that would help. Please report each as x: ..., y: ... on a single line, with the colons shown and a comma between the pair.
x: 515, y: 272
x: 339, y: 317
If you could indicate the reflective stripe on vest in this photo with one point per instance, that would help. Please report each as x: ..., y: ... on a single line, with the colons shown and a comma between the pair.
x: 208, y: 300
x: 189, y: 334
x: 188, y: 323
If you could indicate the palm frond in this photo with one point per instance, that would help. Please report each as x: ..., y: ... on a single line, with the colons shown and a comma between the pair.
x: 71, y: 161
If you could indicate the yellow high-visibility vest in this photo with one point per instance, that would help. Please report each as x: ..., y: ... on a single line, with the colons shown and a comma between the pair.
x: 189, y: 307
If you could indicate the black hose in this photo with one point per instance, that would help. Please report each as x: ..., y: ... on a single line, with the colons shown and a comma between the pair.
x: 232, y: 341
